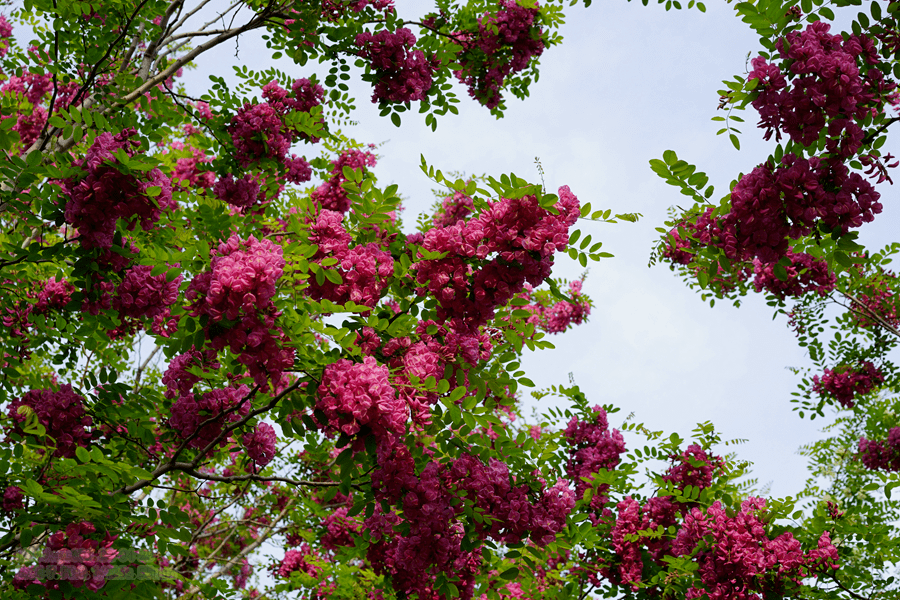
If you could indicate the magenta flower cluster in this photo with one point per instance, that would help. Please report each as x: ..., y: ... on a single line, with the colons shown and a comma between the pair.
x: 490, y: 257
x: 805, y: 274
x: 592, y: 447
x: 331, y: 194
x: 364, y: 270
x: 505, y: 43
x: 298, y: 561
x: 738, y: 560
x: 71, y: 556
x: 693, y: 467
x: 845, y: 383
x: 257, y: 132
x: 178, y: 379
x: 241, y: 192
x: 141, y: 294
x: 772, y: 205
x: 187, y: 168
x: 560, y: 315
x: 105, y: 194
x: 261, y: 131
x: 881, y: 455
x: 453, y: 209
x: 13, y: 499
x: 358, y: 396
x: 260, y: 444
x: 433, y: 533
x: 340, y: 530
x: 401, y: 73
x: 61, y: 413
x: 827, y: 84
x: 236, y: 294
x: 190, y: 413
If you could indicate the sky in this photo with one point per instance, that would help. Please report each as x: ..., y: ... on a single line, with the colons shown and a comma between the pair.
x: 628, y: 83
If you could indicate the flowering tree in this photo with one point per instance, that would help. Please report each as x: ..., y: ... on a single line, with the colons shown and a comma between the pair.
x: 788, y: 229
x: 228, y: 371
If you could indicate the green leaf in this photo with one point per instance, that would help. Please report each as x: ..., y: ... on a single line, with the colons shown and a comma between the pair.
x: 735, y: 141
x: 510, y: 574
x: 395, y: 119
x: 82, y: 454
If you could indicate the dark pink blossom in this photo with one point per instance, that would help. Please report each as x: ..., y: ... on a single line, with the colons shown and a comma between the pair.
x: 61, y: 413
x: 845, y: 383
x: 805, y: 274
x: 260, y: 444
x: 258, y: 132
x: 190, y: 413
x: 105, y: 194
x: 592, y: 447
x: 241, y: 192
x: 401, y: 73
x: 354, y: 396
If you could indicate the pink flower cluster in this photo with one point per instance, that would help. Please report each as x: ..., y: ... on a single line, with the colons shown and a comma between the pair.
x: 258, y: 131
x: 104, y: 194
x: 13, y: 499
x: 881, y: 455
x: 431, y: 508
x: 298, y: 169
x: 738, y: 560
x: 242, y: 192
x: 805, y: 274
x: 53, y: 295
x: 592, y: 447
x: 845, y: 383
x: 6, y: 33
x: 71, y: 556
x: 239, y: 287
x: 304, y: 95
x: 340, y: 530
x: 505, y: 43
x: 298, y: 560
x: 453, y: 209
x: 178, y: 380
x: 357, y: 397
x: 490, y: 257
x: 694, y: 467
x: 365, y: 271
x: 190, y: 413
x: 141, y: 294
x: 187, y: 168
x: 260, y: 444
x: 331, y: 195
x: 60, y: 412
x: 772, y: 205
x: 401, y: 73
x: 629, y: 522
x: 560, y: 315
x: 332, y: 10
x: 828, y: 84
